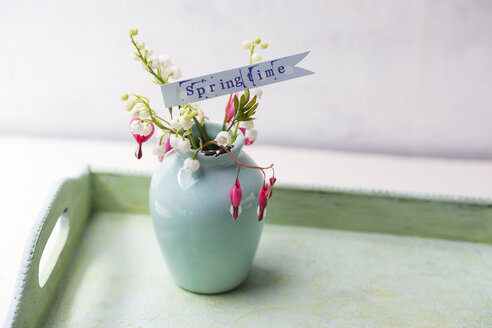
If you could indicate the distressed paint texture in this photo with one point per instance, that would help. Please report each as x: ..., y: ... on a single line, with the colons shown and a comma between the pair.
x: 301, y: 277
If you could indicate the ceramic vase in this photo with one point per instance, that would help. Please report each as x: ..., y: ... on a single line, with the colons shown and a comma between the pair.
x: 205, y: 249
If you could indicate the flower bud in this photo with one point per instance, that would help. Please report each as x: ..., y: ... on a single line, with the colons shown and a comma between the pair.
x: 262, y: 201
x: 165, y: 60
x: 258, y: 92
x: 154, y: 62
x: 236, y: 195
x: 133, y: 32
x: 176, y: 72
x: 129, y: 105
x: 264, y: 45
x: 246, y: 44
x: 230, y: 108
x: 257, y: 40
x: 272, y: 182
x: 140, y: 45
x: 256, y: 57
x: 124, y: 97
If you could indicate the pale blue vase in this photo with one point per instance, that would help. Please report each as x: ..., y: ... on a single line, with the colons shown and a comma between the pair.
x: 205, y: 249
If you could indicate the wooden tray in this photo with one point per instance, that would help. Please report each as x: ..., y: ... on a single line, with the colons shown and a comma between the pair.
x: 328, y: 257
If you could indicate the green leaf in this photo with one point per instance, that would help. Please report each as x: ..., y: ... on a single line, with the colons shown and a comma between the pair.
x: 201, y: 129
x: 236, y: 103
x: 251, y: 111
x: 251, y: 103
x: 246, y: 96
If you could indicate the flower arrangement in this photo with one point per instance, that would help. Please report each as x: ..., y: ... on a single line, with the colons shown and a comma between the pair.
x: 176, y: 133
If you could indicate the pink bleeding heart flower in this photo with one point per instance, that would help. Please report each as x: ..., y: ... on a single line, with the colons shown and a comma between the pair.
x: 167, y: 148
x: 247, y: 142
x: 141, y: 131
x: 262, y: 201
x: 272, y: 182
x: 230, y: 108
x: 236, y: 196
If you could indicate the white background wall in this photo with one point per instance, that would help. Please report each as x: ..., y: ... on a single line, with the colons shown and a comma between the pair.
x: 404, y: 77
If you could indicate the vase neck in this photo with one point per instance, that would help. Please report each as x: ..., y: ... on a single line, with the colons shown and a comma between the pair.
x: 219, y: 157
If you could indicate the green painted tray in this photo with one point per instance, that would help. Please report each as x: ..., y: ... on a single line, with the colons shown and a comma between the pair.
x: 328, y: 257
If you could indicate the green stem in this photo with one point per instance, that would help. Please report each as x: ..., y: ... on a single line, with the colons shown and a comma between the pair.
x: 196, y: 152
x: 232, y: 124
x: 144, y: 60
x: 160, y: 140
x: 235, y: 132
x: 156, y: 122
x: 192, y: 139
x: 251, y: 53
x: 225, y: 116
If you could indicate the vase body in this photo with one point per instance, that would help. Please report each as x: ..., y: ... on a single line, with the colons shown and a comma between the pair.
x: 205, y: 249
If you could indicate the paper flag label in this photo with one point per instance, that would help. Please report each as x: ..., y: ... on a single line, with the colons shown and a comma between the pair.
x: 233, y: 80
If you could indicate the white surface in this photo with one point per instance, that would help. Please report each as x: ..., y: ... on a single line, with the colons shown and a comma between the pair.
x: 407, y: 77
x: 29, y: 168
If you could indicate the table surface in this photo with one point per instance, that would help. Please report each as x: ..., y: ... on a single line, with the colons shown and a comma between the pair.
x: 31, y: 166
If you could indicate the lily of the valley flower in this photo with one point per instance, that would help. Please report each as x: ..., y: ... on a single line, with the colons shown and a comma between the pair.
x: 143, y: 113
x: 175, y: 72
x: 191, y: 165
x: 185, y: 122
x: 175, y: 123
x: 250, y: 135
x: 130, y: 104
x: 256, y: 92
x: 153, y: 61
x: 165, y: 61
x: 184, y: 145
x: 162, y: 150
x: 262, y: 201
x: 247, y: 124
x: 223, y: 138
x: 236, y: 195
x: 141, y: 131
x: 174, y: 140
x: 201, y: 115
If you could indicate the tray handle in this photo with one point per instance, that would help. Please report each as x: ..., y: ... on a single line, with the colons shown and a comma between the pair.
x: 49, y: 250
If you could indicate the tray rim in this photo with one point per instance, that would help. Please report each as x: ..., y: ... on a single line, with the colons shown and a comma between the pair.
x: 415, y: 195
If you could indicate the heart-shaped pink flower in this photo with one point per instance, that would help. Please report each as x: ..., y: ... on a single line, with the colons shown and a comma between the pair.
x: 143, y: 136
